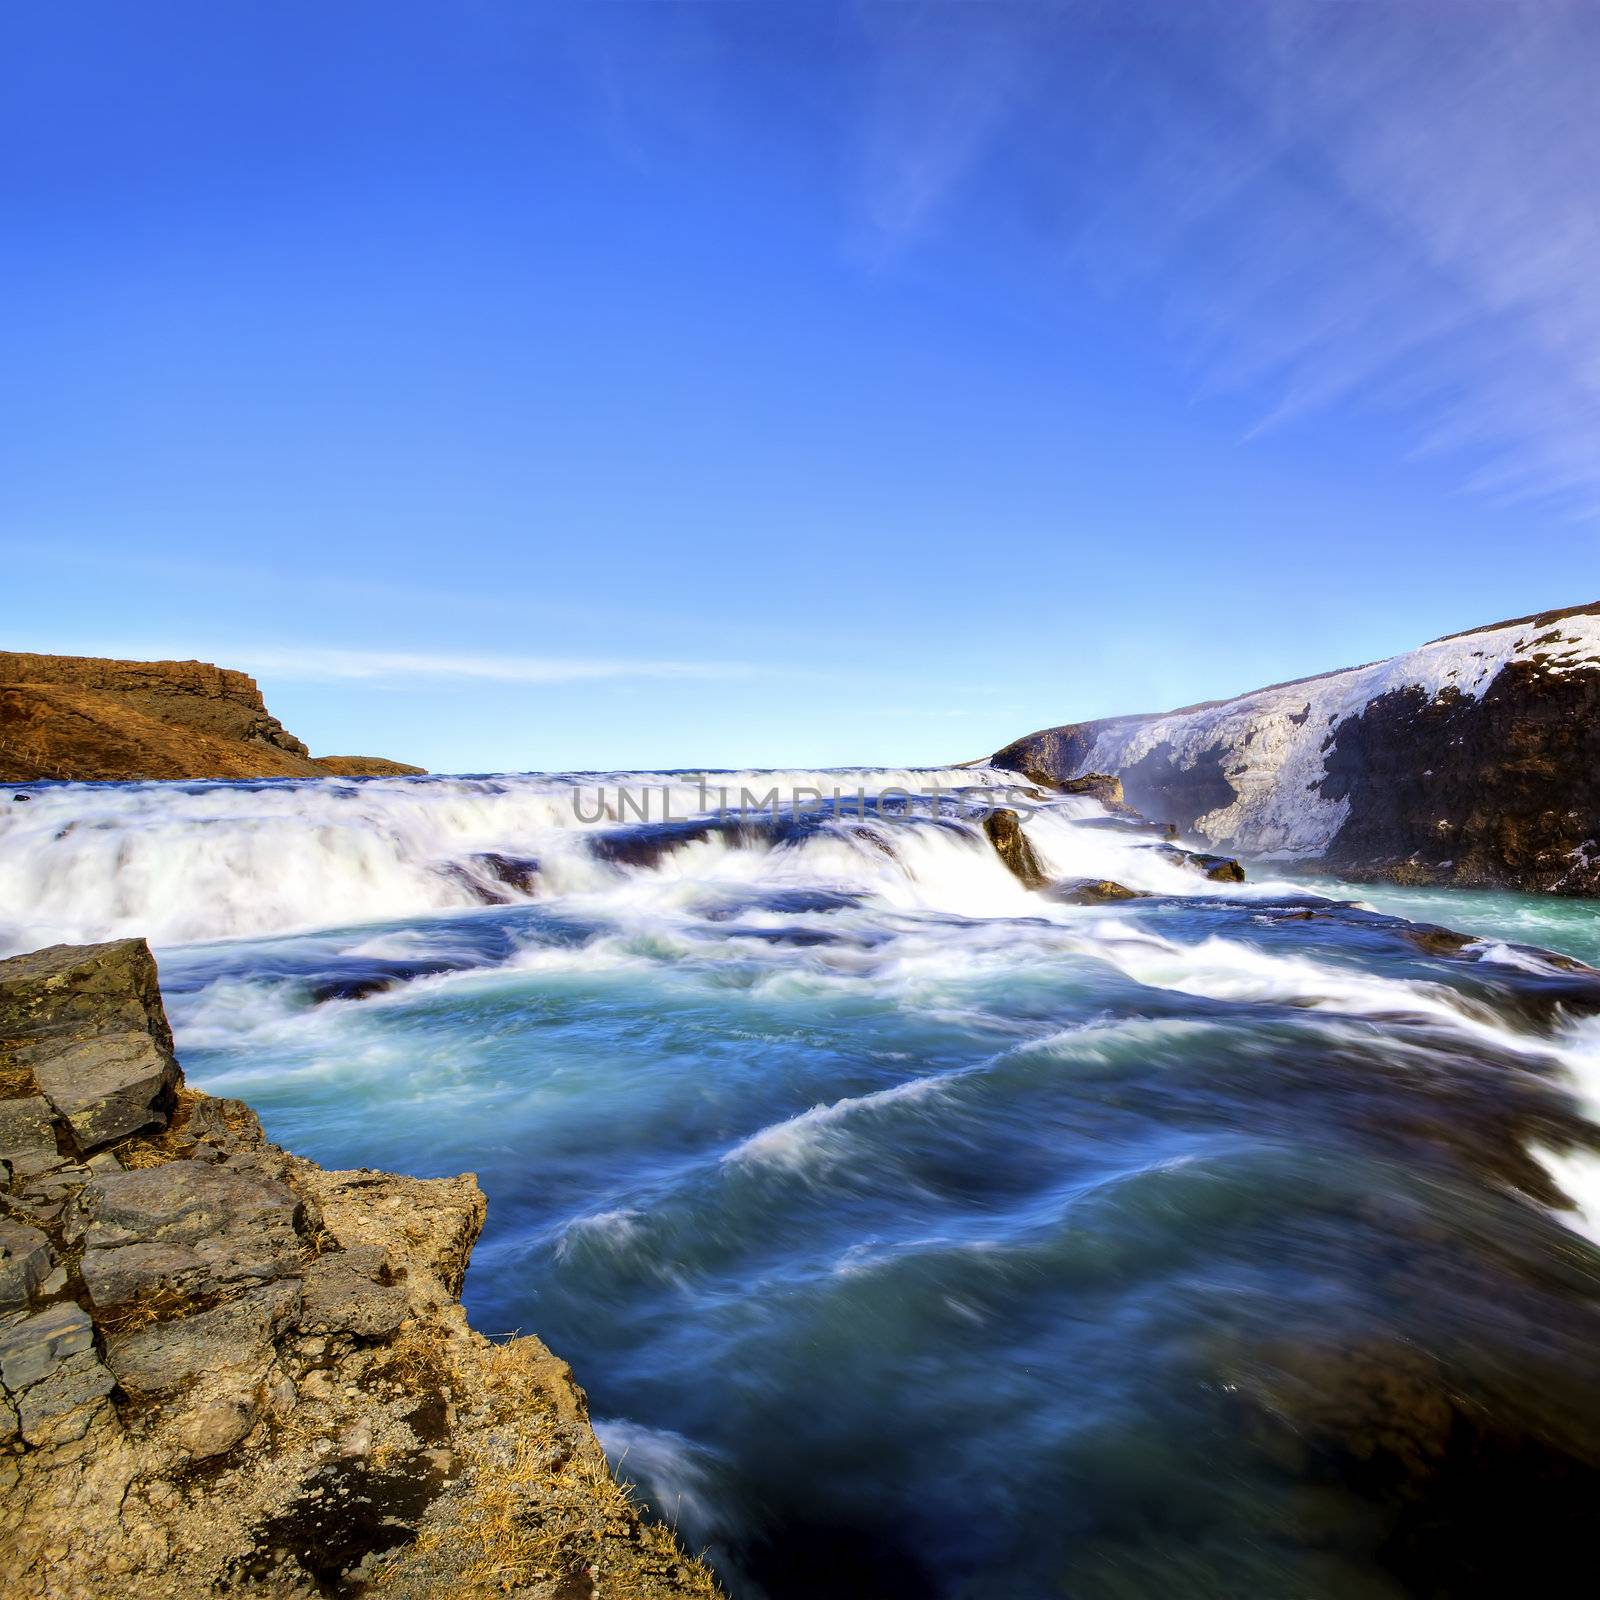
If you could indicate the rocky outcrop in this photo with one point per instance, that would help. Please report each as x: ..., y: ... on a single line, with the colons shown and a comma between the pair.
x: 1003, y: 828
x: 227, y: 1370
x: 92, y: 720
x: 1474, y: 760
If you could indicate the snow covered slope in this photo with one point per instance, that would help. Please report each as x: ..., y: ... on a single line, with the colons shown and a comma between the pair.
x: 1473, y: 759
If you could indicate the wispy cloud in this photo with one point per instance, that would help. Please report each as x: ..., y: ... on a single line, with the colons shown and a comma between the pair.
x: 321, y: 665
x: 1391, y: 208
x: 292, y: 663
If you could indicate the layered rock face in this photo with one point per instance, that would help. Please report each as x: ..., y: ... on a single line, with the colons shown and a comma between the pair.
x: 91, y: 720
x: 1474, y: 760
x: 226, y: 1370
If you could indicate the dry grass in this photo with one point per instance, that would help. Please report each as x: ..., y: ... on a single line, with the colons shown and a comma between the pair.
x: 537, y: 1502
x: 159, y: 1305
x: 15, y: 1082
x: 419, y: 1360
x: 156, y: 1149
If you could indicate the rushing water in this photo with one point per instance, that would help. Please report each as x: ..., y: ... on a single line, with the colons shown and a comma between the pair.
x: 915, y: 1234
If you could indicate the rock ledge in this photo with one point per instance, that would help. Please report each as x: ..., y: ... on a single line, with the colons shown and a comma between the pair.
x: 226, y: 1370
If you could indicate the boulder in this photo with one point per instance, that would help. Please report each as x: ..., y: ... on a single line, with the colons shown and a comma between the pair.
x: 108, y: 1086
x: 1091, y: 892
x: 27, y: 1134
x: 187, y: 1227
x: 169, y: 1358
x: 75, y: 991
x: 1003, y: 829
x: 25, y: 1262
x: 33, y: 1348
x: 1218, y: 869
x: 1105, y: 787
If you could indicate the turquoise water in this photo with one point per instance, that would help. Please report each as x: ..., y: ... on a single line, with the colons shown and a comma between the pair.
x: 917, y: 1236
x: 1569, y: 926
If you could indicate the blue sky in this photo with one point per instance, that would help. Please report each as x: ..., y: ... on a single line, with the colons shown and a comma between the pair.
x: 531, y: 387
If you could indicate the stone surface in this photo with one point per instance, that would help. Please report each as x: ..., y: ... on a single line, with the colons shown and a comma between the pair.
x: 33, y: 1348
x: 353, y: 1292
x: 1004, y: 831
x: 186, y: 1226
x: 62, y: 1405
x: 25, y: 1262
x: 1219, y: 869
x: 26, y: 1134
x: 237, y: 1336
x: 75, y: 992
x: 108, y: 1086
x: 1090, y: 892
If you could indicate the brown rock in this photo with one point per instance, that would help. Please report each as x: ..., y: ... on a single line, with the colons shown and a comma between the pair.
x: 1091, y: 892
x: 1004, y: 831
x: 89, y: 719
x: 297, y: 1332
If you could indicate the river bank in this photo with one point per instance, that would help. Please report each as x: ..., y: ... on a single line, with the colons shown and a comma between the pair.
x: 228, y: 1370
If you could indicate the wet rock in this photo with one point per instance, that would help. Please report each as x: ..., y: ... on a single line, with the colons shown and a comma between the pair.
x: 1132, y: 822
x: 26, y: 1260
x: 1091, y: 892
x: 1003, y: 829
x: 378, y: 977
x: 1217, y: 869
x: 109, y: 1086
x: 649, y: 843
x: 1101, y: 786
x: 515, y: 872
x: 1436, y: 941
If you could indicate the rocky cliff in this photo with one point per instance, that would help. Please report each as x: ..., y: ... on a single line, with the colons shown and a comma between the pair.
x: 227, y: 1371
x: 91, y: 720
x: 1474, y: 760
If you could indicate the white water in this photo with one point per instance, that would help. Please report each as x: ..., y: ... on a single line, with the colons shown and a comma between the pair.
x: 780, y: 1116
x: 181, y: 863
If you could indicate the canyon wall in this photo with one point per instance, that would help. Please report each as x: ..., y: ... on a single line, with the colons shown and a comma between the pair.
x: 1473, y: 760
